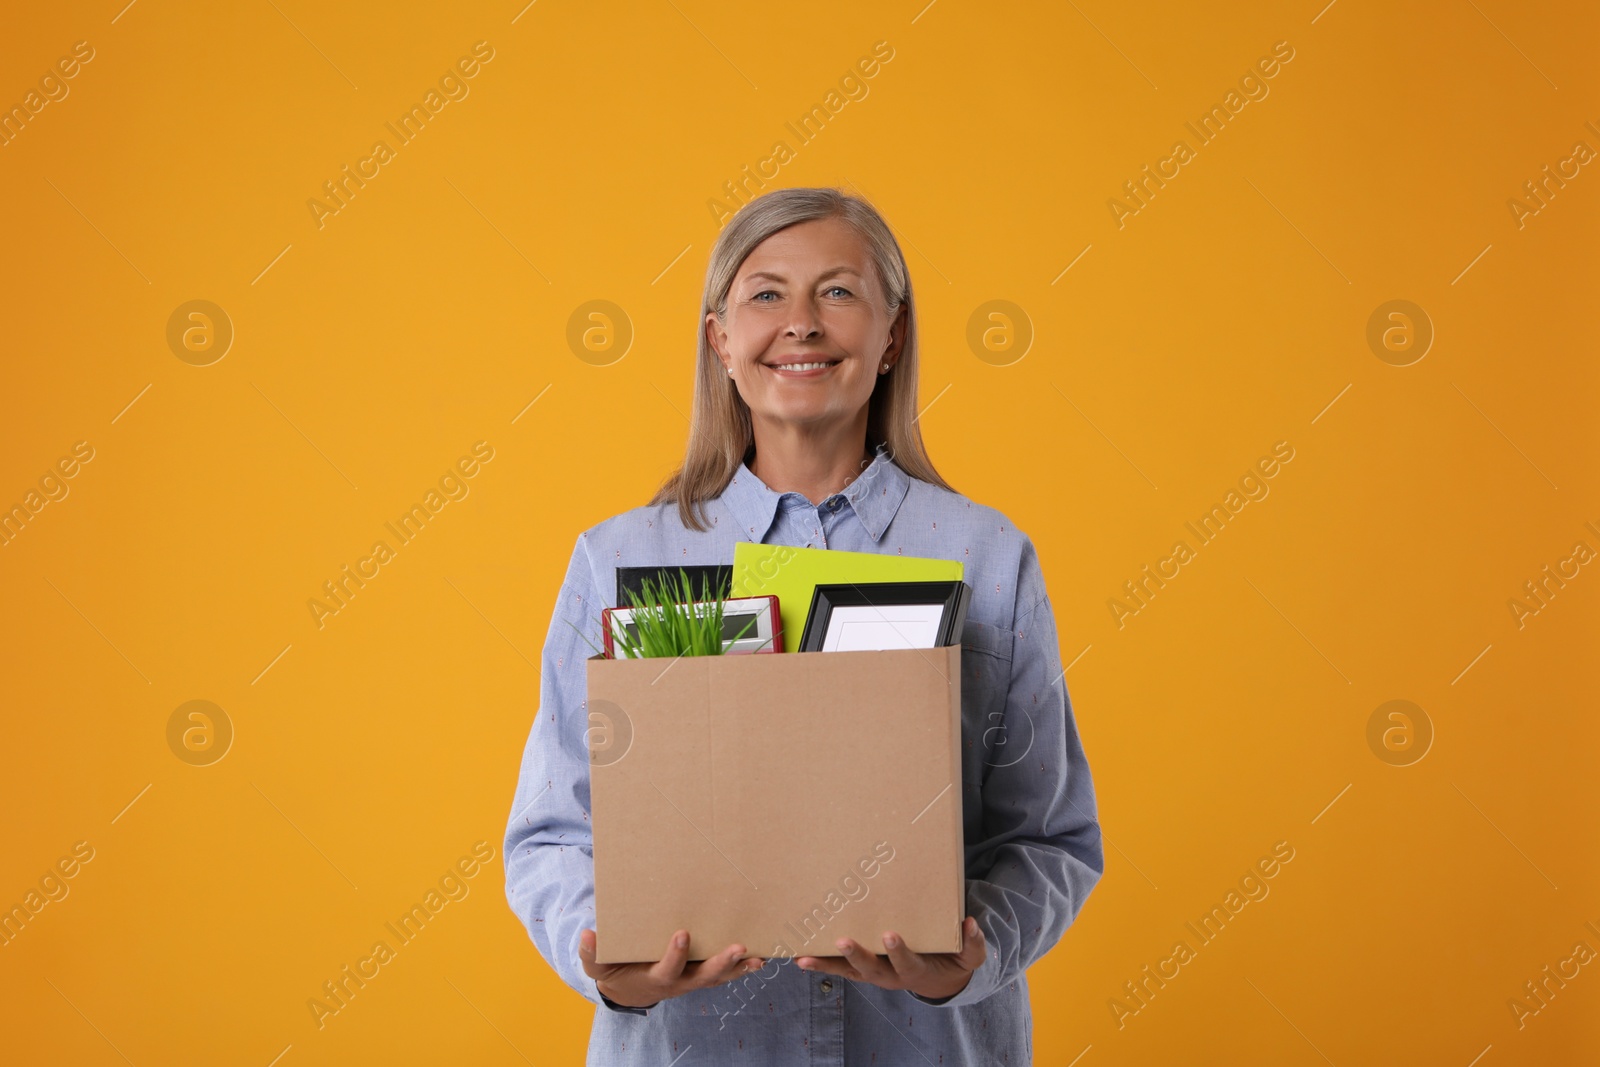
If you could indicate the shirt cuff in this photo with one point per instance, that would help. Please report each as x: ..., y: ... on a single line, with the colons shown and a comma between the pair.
x: 983, y: 982
x: 613, y: 1005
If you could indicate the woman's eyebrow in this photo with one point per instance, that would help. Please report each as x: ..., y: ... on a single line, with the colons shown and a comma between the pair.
x: 823, y: 276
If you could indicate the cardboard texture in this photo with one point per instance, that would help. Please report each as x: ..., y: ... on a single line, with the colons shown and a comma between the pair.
x: 780, y: 802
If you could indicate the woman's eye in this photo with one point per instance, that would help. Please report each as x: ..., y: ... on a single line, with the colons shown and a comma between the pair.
x: 832, y: 289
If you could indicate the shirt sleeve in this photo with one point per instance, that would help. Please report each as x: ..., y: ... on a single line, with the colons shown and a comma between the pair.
x: 1039, y: 852
x: 549, y: 846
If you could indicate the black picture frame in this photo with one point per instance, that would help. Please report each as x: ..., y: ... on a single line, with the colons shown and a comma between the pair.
x: 717, y: 576
x: 951, y: 597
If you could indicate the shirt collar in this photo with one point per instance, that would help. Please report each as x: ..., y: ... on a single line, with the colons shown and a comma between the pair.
x: 874, y: 498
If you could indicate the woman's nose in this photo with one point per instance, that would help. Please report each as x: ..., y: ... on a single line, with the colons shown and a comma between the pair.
x: 804, y: 321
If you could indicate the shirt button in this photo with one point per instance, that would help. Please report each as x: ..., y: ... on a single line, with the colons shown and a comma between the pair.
x: 826, y: 985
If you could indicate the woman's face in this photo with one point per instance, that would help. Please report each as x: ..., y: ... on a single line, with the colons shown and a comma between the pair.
x: 807, y: 295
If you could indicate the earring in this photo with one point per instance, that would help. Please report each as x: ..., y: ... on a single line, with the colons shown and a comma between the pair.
x: 886, y: 366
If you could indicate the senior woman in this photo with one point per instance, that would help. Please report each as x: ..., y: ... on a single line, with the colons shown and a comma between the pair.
x: 804, y: 433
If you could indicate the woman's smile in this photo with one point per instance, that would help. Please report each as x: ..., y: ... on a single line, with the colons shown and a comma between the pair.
x: 815, y: 369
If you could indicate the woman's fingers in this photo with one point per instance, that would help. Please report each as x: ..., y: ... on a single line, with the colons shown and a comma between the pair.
x: 727, y: 965
x: 669, y: 969
x: 825, y: 965
x: 900, y: 967
x: 974, y: 948
x: 720, y: 968
x: 865, y: 965
x: 586, y: 957
x: 671, y: 975
x: 908, y: 965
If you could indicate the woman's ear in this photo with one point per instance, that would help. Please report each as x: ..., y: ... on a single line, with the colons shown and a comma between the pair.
x: 717, y: 337
x: 897, y: 337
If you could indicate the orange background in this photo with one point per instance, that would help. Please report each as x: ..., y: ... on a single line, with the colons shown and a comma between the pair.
x: 1229, y: 313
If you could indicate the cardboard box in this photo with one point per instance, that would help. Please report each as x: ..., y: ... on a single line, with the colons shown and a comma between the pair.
x: 779, y: 801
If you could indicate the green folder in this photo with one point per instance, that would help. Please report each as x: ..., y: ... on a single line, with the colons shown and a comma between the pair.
x: 792, y: 574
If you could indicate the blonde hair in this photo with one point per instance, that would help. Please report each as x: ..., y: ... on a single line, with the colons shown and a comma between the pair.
x: 720, y: 435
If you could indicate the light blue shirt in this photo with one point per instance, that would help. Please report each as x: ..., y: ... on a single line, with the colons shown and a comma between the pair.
x: 1032, y: 837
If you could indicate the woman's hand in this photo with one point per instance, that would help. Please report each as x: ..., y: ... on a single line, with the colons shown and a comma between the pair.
x: 932, y: 975
x: 642, y: 985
